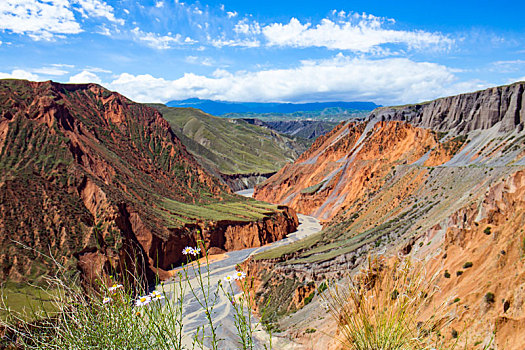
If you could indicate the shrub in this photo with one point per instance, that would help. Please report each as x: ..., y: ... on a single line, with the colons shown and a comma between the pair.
x: 487, y: 230
x: 467, y: 265
x: 446, y: 274
x: 459, y: 273
x: 454, y: 333
x: 322, y: 287
x: 456, y: 300
x: 490, y: 297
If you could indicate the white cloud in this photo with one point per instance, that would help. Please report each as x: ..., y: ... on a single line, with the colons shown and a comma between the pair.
x: 235, y: 42
x: 84, y: 77
x: 385, y: 81
x: 361, y: 33
x: 204, y: 61
x: 39, y: 20
x: 232, y: 14
x: 246, y: 28
x: 156, y: 41
x: 159, y: 4
x: 46, y: 20
x: 97, y: 8
x: 19, y: 74
x: 54, y: 70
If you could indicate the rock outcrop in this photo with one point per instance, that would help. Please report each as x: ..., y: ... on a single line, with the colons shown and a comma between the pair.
x: 502, y: 105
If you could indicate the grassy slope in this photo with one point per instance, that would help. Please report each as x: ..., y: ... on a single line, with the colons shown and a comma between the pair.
x: 231, y: 146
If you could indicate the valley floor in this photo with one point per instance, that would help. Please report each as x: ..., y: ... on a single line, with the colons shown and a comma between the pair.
x: 225, y: 265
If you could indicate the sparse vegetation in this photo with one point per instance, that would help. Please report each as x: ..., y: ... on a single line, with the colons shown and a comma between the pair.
x: 127, y: 316
x: 490, y: 298
x: 370, y: 317
x: 487, y: 230
x: 467, y: 265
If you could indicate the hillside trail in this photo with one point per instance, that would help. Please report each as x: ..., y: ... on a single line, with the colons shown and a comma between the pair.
x: 223, y: 312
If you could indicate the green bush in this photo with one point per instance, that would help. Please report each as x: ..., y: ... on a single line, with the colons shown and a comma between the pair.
x: 487, y: 230
x: 446, y: 274
x: 490, y: 297
x: 467, y: 265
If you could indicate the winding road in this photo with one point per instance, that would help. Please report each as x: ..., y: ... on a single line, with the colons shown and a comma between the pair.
x: 220, y: 267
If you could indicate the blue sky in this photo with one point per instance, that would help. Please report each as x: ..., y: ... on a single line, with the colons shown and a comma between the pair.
x: 291, y: 51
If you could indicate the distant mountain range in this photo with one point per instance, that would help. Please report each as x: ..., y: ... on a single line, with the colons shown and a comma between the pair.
x: 223, y: 107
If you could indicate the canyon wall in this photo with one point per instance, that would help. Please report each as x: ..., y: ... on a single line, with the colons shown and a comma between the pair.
x: 389, y: 184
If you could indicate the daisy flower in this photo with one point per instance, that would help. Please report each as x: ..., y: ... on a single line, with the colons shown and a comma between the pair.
x: 239, y: 275
x: 196, y: 251
x: 228, y: 278
x: 106, y: 300
x: 188, y: 250
x: 115, y: 287
x: 156, y: 295
x: 145, y: 300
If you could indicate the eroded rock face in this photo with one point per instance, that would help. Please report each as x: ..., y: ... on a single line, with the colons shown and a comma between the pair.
x: 83, y: 174
x: 423, y: 180
x: 483, y: 248
x: 345, y: 165
x: 503, y: 105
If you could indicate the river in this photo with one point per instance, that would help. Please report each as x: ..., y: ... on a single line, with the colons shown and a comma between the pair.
x: 220, y: 267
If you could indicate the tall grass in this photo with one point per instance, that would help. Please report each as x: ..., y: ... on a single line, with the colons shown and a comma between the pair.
x: 127, y: 316
x: 382, y: 308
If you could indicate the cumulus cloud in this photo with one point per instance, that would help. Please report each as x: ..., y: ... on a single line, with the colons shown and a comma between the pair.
x: 156, y: 41
x: 85, y: 77
x: 385, y: 81
x: 46, y: 20
x: 19, y: 74
x: 360, y: 33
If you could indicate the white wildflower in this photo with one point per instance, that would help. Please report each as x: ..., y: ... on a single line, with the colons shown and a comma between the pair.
x: 115, y: 287
x: 188, y: 250
x: 228, y: 278
x: 145, y: 300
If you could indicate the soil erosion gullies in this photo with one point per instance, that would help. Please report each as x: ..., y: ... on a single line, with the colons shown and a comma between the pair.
x: 400, y: 182
x: 101, y: 182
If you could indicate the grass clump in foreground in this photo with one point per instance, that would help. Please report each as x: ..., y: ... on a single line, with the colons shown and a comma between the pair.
x: 382, y: 308
x: 127, y: 316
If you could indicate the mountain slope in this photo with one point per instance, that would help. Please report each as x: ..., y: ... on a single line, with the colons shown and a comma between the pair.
x: 423, y: 179
x: 103, y: 184
x: 306, y: 129
x: 232, y: 148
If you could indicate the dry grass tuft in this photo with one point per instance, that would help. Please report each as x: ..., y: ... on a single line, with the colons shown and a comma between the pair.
x: 382, y: 308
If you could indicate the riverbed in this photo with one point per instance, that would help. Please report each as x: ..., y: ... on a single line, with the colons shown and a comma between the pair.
x: 223, y: 313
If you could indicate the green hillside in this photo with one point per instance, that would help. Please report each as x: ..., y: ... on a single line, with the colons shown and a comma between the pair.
x: 231, y: 146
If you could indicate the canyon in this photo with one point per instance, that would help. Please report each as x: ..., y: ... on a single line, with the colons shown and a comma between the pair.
x: 440, y: 182
x: 93, y: 182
